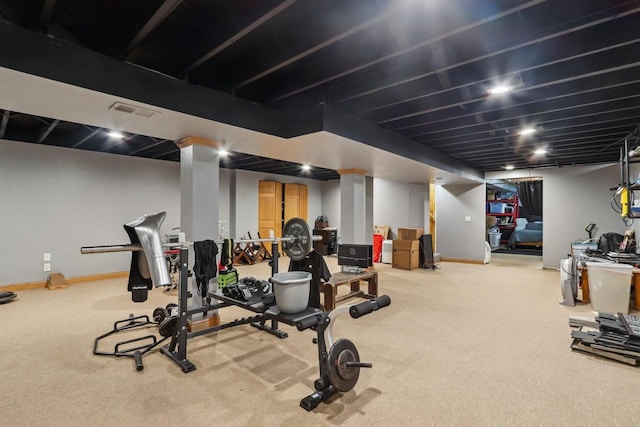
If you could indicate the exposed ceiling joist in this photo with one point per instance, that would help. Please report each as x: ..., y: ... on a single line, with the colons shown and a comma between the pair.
x: 86, y: 138
x: 313, y: 49
x: 156, y: 19
x: 407, y: 50
x: 45, y: 14
x: 3, y: 124
x: 255, y: 24
x: 45, y: 133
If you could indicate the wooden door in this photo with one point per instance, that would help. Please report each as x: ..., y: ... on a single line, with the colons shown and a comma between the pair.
x: 291, y: 201
x: 303, y: 206
x: 269, y: 208
x: 432, y: 214
x: 296, y: 202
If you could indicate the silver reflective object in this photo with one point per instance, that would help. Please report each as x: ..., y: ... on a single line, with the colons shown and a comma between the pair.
x: 154, y: 263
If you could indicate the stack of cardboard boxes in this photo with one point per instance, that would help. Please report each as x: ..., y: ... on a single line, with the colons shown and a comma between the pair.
x: 406, y: 248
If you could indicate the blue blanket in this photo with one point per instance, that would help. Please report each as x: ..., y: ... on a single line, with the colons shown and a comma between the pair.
x: 532, y: 232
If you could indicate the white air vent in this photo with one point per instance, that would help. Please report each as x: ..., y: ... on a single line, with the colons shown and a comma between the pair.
x: 132, y: 109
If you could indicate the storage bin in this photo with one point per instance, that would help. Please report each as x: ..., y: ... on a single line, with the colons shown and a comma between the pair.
x: 609, y: 286
x: 494, y: 240
x: 495, y: 207
x: 228, y: 278
x: 387, y: 251
x: 291, y: 291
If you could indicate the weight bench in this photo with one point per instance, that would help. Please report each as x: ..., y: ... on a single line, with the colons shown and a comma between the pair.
x: 330, y: 288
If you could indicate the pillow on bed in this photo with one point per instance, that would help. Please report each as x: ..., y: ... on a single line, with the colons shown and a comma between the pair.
x: 534, y: 225
x: 521, y: 223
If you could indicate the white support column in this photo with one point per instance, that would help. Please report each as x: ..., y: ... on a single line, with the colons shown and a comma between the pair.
x: 199, y: 180
x: 199, y: 207
x: 356, y: 213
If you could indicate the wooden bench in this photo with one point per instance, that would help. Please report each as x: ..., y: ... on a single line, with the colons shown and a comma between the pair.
x: 330, y: 289
x: 635, y: 282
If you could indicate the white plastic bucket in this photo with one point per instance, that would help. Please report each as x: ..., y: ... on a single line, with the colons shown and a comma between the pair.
x: 609, y: 286
x: 494, y: 240
x: 291, y: 291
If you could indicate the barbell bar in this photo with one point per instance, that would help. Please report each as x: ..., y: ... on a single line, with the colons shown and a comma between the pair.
x: 297, y: 241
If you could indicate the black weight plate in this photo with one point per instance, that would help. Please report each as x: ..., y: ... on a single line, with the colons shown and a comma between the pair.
x: 171, y: 306
x: 159, y: 314
x: 340, y: 376
x: 299, y: 230
x: 168, y: 326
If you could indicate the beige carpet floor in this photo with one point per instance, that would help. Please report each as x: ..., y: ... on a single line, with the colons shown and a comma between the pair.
x: 464, y: 345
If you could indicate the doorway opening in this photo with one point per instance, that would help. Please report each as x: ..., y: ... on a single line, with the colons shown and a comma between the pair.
x: 514, y: 216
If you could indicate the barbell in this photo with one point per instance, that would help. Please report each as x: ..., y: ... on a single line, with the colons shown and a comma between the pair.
x: 297, y: 241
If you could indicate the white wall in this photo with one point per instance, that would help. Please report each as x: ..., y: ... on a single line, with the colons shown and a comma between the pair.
x: 57, y: 200
x: 331, y: 203
x: 225, y: 179
x: 391, y: 205
x: 419, y: 206
x: 572, y: 198
x: 456, y: 238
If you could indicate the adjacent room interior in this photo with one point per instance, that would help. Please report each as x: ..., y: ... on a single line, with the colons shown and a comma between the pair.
x: 514, y: 216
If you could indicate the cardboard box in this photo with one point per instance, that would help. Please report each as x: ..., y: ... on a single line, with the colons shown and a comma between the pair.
x: 410, y: 233
x: 382, y: 230
x: 406, y: 260
x: 56, y: 281
x: 406, y: 245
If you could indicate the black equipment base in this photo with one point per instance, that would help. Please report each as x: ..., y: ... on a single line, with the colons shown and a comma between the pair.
x: 135, y: 347
x: 6, y: 297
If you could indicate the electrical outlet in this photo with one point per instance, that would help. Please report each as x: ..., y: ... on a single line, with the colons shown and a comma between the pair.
x: 47, y: 257
x: 467, y: 219
x: 47, y: 266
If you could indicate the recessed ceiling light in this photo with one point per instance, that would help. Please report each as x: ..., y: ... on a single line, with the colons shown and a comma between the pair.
x: 500, y: 89
x: 306, y: 168
x: 509, y: 167
x: 223, y: 153
x: 115, y: 134
x: 527, y: 131
x: 540, y: 151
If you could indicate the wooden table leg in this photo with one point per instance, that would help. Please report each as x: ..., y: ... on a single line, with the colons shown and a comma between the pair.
x: 355, y: 286
x: 636, y: 291
x: 584, y: 282
x: 329, y: 297
x: 373, y: 285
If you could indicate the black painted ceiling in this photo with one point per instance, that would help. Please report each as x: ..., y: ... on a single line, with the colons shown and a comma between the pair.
x: 419, y: 68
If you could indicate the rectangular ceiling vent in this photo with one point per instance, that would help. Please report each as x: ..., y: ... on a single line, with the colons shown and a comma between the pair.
x: 132, y: 109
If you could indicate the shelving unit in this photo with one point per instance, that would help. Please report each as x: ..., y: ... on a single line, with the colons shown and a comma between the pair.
x: 628, y: 189
x: 506, y: 221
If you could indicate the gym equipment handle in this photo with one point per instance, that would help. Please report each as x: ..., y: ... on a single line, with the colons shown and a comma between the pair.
x: 367, y: 307
x: 307, y: 322
x: 359, y: 365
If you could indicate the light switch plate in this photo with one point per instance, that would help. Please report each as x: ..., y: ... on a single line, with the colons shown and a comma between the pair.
x: 467, y: 219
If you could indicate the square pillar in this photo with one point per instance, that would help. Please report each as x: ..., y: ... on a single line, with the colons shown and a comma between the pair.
x: 356, y: 207
x: 199, y: 180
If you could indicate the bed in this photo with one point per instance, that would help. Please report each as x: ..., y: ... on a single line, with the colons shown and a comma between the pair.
x: 526, y: 233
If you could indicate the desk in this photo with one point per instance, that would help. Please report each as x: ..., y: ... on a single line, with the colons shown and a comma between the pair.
x: 584, y: 282
x: 330, y: 288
